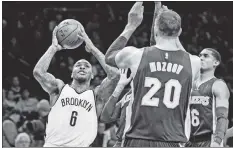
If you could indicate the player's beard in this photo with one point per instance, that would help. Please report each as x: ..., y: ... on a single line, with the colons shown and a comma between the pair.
x: 82, y: 79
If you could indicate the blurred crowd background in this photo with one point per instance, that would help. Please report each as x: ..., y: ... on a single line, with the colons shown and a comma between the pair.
x: 27, y: 31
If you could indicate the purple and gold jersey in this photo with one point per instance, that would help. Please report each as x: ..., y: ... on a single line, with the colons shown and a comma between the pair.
x: 202, y: 107
x: 161, y: 91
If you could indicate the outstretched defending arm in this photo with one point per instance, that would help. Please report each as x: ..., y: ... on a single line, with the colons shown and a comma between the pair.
x: 156, y: 11
x: 221, y: 94
x: 112, y: 108
x: 135, y: 17
x: 48, y: 82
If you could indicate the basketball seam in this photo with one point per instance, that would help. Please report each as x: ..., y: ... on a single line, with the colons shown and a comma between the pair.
x: 64, y: 26
x: 68, y: 35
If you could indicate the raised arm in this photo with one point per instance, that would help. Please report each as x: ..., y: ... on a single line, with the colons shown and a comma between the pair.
x: 135, y: 17
x: 221, y: 94
x: 90, y: 48
x: 159, y: 8
x: 47, y: 81
x: 112, y: 108
x: 156, y: 11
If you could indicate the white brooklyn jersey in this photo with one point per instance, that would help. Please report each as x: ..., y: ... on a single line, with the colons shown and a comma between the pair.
x: 72, y: 121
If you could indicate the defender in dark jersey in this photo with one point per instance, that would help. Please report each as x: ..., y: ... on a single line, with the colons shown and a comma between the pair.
x: 208, y: 104
x: 115, y: 110
x: 163, y: 77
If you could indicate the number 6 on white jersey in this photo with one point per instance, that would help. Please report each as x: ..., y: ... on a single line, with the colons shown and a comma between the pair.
x: 155, y: 84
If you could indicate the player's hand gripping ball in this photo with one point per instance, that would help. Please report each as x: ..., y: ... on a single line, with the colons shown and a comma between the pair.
x: 67, y: 32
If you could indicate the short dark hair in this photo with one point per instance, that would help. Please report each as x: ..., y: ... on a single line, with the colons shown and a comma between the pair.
x: 215, y: 53
x: 169, y: 23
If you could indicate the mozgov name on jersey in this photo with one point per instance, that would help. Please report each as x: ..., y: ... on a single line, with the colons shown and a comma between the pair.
x: 165, y: 67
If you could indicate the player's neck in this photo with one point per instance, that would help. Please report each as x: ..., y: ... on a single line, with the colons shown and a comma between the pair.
x: 207, y: 75
x: 80, y: 86
x: 167, y: 44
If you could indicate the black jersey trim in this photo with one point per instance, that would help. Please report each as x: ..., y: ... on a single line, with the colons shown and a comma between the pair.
x: 78, y: 92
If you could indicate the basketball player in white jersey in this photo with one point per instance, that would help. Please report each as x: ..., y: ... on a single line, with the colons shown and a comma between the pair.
x: 151, y: 68
x: 72, y: 121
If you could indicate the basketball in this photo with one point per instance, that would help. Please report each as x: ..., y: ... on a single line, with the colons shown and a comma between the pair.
x: 67, y: 34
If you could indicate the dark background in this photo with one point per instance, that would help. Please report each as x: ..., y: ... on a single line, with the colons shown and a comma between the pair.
x: 27, y: 31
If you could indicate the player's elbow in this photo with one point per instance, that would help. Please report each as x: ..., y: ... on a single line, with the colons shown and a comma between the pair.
x: 107, y: 60
x: 37, y: 73
x: 110, y: 59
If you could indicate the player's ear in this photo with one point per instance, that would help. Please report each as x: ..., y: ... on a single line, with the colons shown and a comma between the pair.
x: 216, y: 63
x: 72, y: 75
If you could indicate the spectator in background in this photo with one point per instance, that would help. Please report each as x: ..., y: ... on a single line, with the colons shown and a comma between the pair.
x: 43, y: 108
x: 4, y: 24
x: 63, y: 72
x: 52, y: 25
x: 15, y: 50
x: 22, y: 140
x: 133, y: 41
x: 143, y: 39
x: 59, y: 18
x: 27, y: 103
x: 102, y: 74
x: 94, y: 64
x: 36, y: 127
x: 93, y: 24
x: 96, y: 40
x: 36, y: 130
x: 70, y: 63
x: 15, y: 87
x: 8, y: 102
x: 3, y: 94
x: 10, y: 127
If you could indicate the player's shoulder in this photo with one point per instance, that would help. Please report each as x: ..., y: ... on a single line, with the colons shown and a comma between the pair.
x: 60, y: 84
x: 220, y: 84
x: 57, y: 92
x: 132, y: 50
x: 128, y: 56
x: 194, y: 58
x: 220, y: 88
x: 195, y: 61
